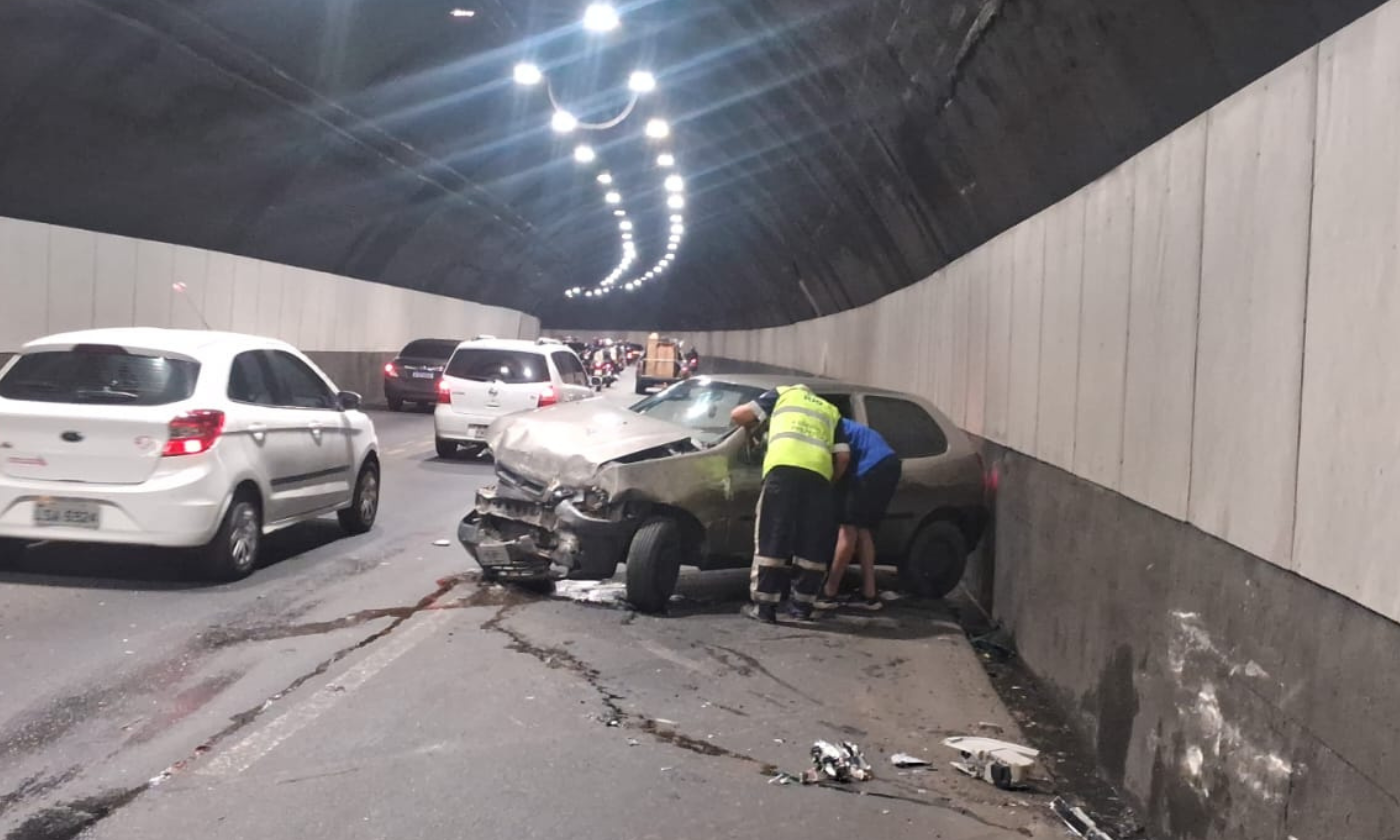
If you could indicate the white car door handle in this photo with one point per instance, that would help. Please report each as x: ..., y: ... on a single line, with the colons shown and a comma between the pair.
x: 258, y: 431
x: 316, y: 430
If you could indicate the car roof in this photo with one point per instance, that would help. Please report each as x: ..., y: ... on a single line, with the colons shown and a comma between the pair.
x: 189, y: 342
x: 510, y: 344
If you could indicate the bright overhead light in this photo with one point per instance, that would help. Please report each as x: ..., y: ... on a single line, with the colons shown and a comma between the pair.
x: 585, y: 154
x: 624, y: 225
x: 674, y: 239
x: 677, y: 228
x: 605, y: 177
x: 677, y: 218
x: 613, y: 197
x: 641, y: 82
x: 674, y: 183
x: 619, y: 212
x: 666, y: 159
x: 563, y: 122
x: 600, y: 17
x: 626, y: 237
x: 527, y: 73
x: 676, y: 202
x: 463, y: 13
x: 658, y: 129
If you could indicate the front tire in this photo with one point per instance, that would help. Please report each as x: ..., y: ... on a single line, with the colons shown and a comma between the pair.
x: 233, y: 553
x: 642, y: 386
x: 364, y: 505
x: 654, y: 564
x: 446, y: 448
x: 936, y: 560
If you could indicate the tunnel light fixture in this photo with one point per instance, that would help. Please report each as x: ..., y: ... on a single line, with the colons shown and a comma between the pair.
x: 624, y: 225
x: 674, y: 183
x: 678, y: 228
x: 619, y: 212
x: 673, y: 240
x: 584, y: 153
x: 672, y: 247
x: 463, y: 13
x: 658, y: 129
x: 641, y: 81
x: 605, y: 178
x: 613, y: 197
x: 563, y: 122
x: 626, y: 237
x: 676, y: 202
x: 677, y: 218
x: 666, y: 160
x: 527, y: 73
x: 600, y: 17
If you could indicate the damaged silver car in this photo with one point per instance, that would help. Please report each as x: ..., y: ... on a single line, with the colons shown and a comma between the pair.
x: 670, y: 482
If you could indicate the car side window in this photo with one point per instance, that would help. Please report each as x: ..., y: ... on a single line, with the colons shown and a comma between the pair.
x: 248, y: 381
x: 301, y: 387
x: 570, y: 369
x: 906, y: 427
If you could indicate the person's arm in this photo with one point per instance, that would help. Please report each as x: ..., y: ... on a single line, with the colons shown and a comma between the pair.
x: 840, y: 453
x: 754, y: 413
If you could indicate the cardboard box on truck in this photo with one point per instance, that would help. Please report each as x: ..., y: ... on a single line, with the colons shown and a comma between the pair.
x: 660, y: 365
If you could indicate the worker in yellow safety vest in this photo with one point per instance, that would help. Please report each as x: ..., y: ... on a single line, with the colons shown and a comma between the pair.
x: 807, y: 453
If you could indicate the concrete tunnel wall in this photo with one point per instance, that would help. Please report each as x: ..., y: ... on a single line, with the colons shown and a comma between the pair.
x: 1184, y: 371
x: 56, y: 279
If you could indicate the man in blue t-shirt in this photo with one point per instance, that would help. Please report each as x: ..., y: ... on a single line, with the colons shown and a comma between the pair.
x: 863, y: 499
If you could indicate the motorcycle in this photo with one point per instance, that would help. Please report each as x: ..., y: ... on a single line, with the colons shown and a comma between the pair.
x: 603, y: 373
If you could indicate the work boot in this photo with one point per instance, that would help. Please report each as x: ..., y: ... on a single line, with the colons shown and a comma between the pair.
x: 799, y: 614
x: 766, y: 613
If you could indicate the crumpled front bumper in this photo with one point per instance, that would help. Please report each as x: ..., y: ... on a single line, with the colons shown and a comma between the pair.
x: 514, y: 539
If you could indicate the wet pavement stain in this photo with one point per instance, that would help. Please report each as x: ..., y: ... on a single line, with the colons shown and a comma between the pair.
x: 66, y: 820
x: 35, y: 786
x: 750, y: 665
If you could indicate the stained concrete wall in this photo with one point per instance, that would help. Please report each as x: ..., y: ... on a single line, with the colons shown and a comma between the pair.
x: 1195, y: 545
x: 56, y: 279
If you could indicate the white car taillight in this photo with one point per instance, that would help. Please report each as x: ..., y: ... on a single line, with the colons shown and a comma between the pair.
x: 194, y: 432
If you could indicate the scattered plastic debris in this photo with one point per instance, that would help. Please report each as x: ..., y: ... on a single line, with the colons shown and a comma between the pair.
x: 633, y: 742
x: 1002, y: 763
x: 442, y: 543
x: 782, y: 778
x: 1078, y: 822
x: 840, y: 763
x: 592, y: 591
x: 991, y: 727
x: 614, y: 722
x: 665, y: 722
x: 907, y: 760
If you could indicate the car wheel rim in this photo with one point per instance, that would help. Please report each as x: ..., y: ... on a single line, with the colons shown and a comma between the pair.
x: 369, y: 496
x: 243, y: 537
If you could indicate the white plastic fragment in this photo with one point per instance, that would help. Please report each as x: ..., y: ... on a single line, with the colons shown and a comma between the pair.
x: 1001, y: 763
x: 907, y: 760
x: 442, y: 543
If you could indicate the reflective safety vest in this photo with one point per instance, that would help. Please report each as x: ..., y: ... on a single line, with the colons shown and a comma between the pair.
x: 801, y: 432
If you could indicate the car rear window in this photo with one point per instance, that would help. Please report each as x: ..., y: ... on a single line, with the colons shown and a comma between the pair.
x: 99, y: 375
x: 429, y: 348
x: 509, y: 366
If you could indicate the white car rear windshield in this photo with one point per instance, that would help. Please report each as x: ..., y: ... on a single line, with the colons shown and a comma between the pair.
x: 99, y: 375
x: 509, y: 366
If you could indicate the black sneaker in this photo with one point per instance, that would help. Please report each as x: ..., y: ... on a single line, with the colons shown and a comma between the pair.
x: 827, y: 603
x: 868, y: 604
x: 766, y: 613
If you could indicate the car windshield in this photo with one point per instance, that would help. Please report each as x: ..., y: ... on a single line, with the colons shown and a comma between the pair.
x: 429, y: 348
x: 702, y: 405
x: 508, y: 366
x: 108, y: 375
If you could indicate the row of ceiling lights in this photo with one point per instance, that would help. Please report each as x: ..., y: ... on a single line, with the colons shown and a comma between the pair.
x: 601, y: 17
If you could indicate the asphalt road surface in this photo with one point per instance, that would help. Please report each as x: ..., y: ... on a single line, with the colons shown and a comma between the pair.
x: 370, y: 687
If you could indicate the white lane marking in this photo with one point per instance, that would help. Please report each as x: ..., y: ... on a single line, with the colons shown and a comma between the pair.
x: 242, y: 755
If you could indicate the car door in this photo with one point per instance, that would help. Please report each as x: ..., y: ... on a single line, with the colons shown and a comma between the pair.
x: 573, y: 377
x: 273, y: 435
x: 922, y: 447
x: 311, y: 417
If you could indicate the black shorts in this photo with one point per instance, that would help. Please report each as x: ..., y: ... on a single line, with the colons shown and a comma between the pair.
x: 866, y: 498
x: 796, y: 517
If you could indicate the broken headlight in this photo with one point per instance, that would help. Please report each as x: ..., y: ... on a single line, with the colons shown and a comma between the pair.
x: 594, y: 499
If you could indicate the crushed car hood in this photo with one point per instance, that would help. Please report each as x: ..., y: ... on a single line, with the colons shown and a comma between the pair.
x: 564, y: 445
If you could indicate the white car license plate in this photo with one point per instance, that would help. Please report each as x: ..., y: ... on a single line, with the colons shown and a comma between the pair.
x: 476, y: 432
x: 492, y: 554
x: 422, y: 374
x: 67, y: 513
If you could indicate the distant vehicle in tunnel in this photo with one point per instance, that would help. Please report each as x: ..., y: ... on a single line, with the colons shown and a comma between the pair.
x: 671, y: 482
x: 177, y: 438
x: 662, y: 364
x: 413, y: 375
x: 487, y: 378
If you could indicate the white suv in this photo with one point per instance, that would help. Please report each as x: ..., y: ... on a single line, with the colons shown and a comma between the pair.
x: 177, y: 438
x: 487, y: 378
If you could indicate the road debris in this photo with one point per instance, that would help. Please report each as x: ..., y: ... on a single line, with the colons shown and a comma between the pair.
x: 907, y: 760
x: 990, y: 727
x: 1002, y: 763
x: 442, y: 543
x: 1078, y: 822
x: 783, y: 778
x: 840, y: 763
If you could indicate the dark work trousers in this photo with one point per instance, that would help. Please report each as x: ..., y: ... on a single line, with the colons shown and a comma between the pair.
x: 796, y: 527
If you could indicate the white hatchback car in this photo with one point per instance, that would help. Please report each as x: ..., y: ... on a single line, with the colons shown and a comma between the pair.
x: 487, y: 378
x: 177, y: 438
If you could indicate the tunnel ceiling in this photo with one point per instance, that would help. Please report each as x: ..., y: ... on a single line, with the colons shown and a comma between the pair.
x: 833, y: 150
